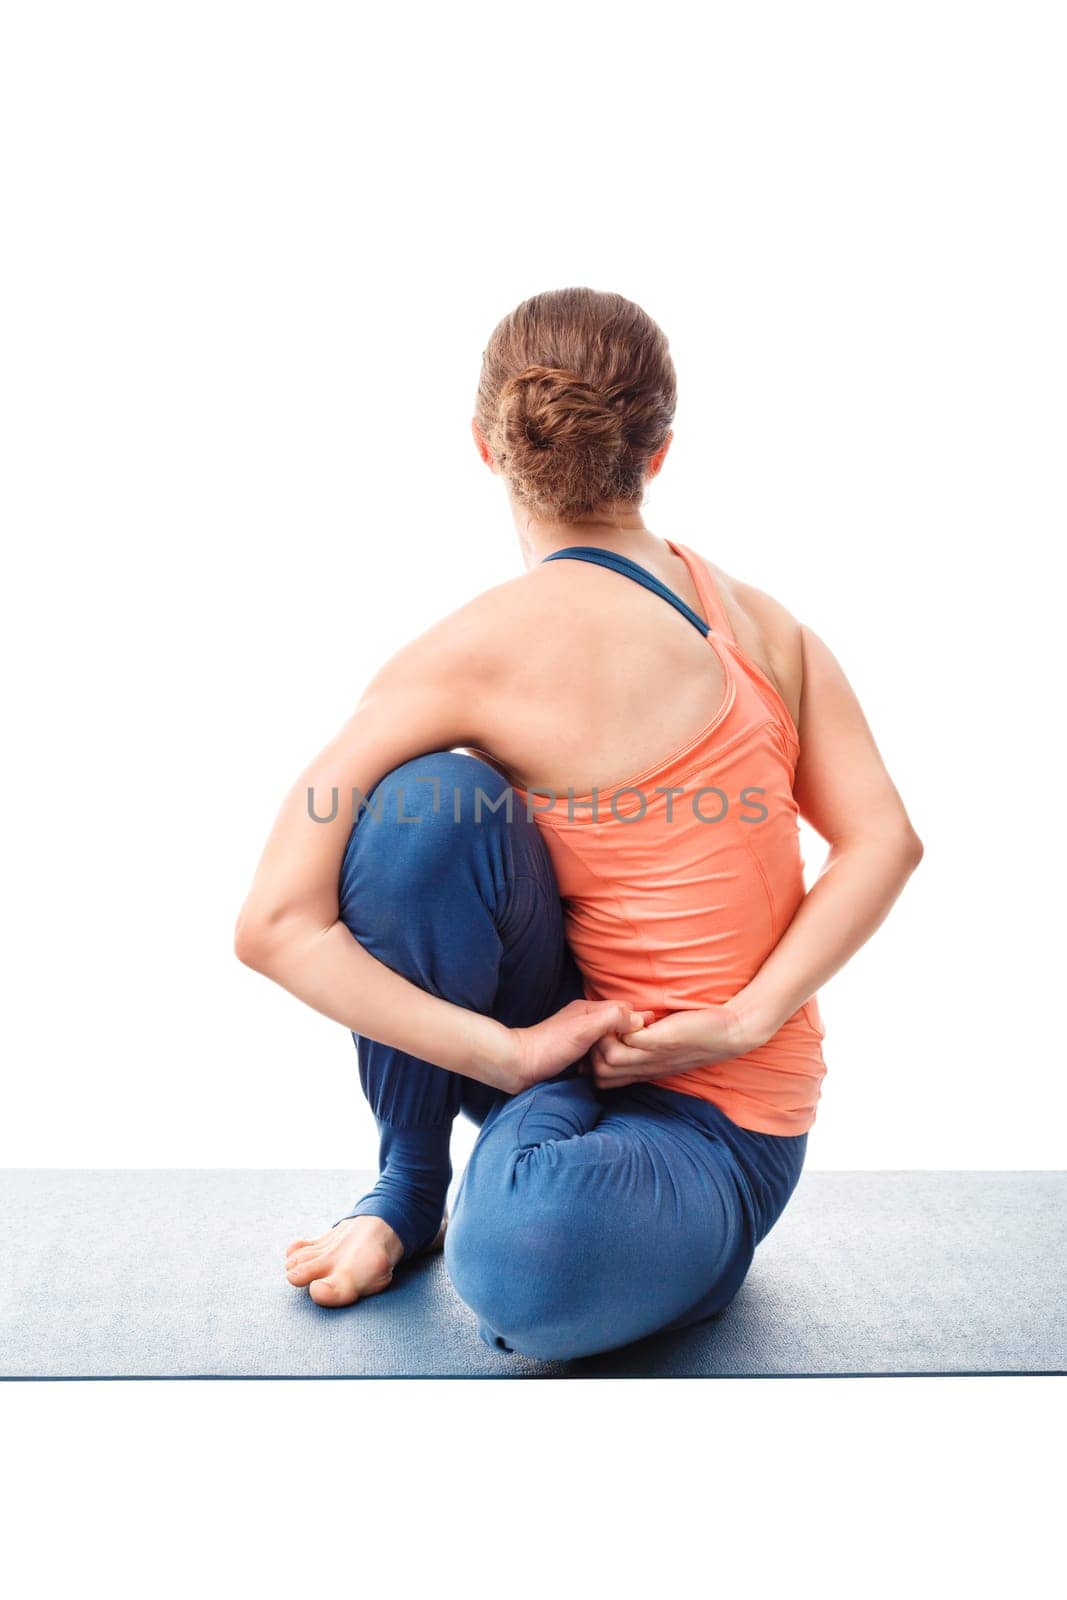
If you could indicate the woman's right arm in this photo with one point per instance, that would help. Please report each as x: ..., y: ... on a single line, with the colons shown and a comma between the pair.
x: 845, y: 793
x: 430, y: 696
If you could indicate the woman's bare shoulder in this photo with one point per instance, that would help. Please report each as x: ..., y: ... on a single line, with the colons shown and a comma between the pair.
x: 473, y: 641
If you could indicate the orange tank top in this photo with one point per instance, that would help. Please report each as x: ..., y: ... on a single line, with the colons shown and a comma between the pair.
x: 673, y: 900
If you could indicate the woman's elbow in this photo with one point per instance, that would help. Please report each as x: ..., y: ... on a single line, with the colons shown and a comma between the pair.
x: 911, y: 848
x: 267, y: 934
x: 252, y: 942
x: 896, y: 847
x: 261, y: 937
x: 902, y: 850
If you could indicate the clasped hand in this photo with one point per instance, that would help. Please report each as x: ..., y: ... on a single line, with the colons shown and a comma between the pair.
x: 618, y: 1045
x: 676, y: 1043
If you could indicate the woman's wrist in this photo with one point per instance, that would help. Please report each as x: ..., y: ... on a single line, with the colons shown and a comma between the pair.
x: 495, y: 1054
x: 716, y: 1033
x: 756, y: 1020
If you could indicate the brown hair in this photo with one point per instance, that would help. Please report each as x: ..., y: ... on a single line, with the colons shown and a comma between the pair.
x: 577, y: 392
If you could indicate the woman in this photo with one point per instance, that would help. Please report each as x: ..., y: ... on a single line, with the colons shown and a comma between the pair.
x: 567, y: 896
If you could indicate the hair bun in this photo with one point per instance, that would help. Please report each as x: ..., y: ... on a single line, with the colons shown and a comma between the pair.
x: 553, y: 426
x: 576, y: 393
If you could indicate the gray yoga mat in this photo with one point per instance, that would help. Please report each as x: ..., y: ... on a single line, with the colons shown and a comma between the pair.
x: 149, y: 1273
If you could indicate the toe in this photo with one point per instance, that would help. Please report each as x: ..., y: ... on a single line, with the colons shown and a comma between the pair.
x: 332, y: 1291
x: 302, y: 1272
x: 307, y: 1252
x: 301, y: 1244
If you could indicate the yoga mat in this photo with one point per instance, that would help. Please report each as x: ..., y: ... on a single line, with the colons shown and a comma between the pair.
x: 149, y: 1273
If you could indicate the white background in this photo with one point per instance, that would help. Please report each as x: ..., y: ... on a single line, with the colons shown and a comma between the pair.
x: 253, y: 255
x: 257, y: 257
x: 929, y: 1488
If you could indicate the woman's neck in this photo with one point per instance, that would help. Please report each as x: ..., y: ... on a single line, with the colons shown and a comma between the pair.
x: 626, y: 534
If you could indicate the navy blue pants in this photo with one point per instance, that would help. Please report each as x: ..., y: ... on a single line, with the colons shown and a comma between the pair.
x: 585, y: 1218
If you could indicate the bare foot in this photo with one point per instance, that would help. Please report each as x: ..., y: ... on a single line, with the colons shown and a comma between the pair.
x: 350, y: 1261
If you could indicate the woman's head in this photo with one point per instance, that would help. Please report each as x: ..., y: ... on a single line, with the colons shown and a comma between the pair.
x: 576, y: 395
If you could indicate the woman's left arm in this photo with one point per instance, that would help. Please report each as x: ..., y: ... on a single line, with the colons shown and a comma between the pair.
x: 429, y: 696
x: 842, y: 788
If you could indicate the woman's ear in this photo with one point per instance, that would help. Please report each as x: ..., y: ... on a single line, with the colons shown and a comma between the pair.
x: 656, y: 461
x: 482, y: 447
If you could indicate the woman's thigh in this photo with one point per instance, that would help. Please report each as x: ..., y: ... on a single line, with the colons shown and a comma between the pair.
x: 586, y: 1220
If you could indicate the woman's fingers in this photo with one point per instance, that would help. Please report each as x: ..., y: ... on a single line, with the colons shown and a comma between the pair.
x: 609, y: 1078
x: 612, y: 1017
x: 616, y: 1062
x: 595, y: 1020
x: 662, y: 1035
x: 596, y: 1026
x: 614, y: 1053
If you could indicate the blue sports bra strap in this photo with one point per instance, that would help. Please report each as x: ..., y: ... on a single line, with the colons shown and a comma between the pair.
x: 631, y: 569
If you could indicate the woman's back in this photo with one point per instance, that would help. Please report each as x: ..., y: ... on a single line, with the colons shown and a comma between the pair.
x: 588, y: 677
x: 657, y: 757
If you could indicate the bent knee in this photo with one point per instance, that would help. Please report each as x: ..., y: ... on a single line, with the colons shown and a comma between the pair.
x: 420, y: 819
x: 446, y: 785
x: 531, y: 1282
